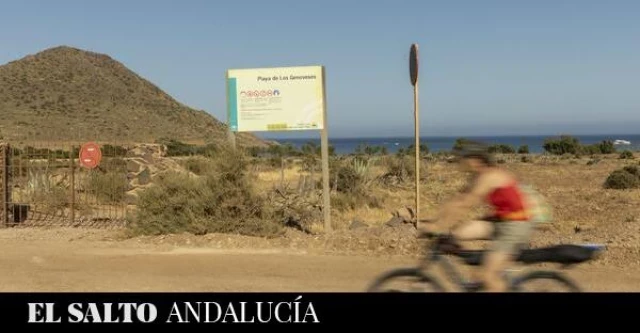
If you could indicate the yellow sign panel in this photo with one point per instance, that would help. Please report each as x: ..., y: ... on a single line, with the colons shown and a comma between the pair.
x: 276, y: 99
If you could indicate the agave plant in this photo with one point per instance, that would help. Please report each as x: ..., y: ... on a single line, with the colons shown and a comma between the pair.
x: 361, y: 166
x: 363, y: 169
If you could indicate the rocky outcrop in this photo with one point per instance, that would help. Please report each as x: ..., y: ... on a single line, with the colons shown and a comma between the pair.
x: 144, y: 163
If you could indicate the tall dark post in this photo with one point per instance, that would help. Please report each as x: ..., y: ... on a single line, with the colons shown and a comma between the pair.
x: 413, y: 71
x: 73, y: 185
x: 5, y: 185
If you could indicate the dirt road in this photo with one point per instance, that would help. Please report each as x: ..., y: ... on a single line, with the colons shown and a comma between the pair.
x: 37, y: 261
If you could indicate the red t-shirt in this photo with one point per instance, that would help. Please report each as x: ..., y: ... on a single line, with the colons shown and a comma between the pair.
x: 508, y: 203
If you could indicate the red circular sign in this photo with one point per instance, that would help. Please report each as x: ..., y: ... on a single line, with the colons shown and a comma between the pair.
x: 90, y: 155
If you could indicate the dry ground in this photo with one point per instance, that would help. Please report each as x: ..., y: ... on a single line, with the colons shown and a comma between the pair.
x: 571, y: 186
x: 91, y: 260
x: 56, y: 259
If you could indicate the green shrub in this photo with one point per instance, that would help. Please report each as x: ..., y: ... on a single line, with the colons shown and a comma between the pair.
x: 460, y: 143
x: 623, y: 179
x: 564, y: 145
x: 109, y: 187
x: 222, y: 200
x: 177, y: 148
x: 626, y: 155
x: 590, y: 150
x: 570, y: 145
x: 353, y: 176
x: 411, y: 150
x: 352, y: 180
x: 370, y: 150
x: 524, y: 149
x: 286, y: 150
x: 632, y: 169
x: 400, y: 168
x: 606, y: 147
x: 113, y: 151
x: 501, y: 149
x: 198, y: 165
x: 526, y: 159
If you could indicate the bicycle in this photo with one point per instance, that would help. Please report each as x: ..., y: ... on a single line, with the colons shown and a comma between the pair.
x: 566, y: 255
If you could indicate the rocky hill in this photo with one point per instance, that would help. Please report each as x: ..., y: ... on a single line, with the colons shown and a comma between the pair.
x: 68, y: 94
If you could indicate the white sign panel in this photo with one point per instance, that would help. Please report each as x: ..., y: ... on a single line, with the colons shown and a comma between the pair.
x: 276, y: 99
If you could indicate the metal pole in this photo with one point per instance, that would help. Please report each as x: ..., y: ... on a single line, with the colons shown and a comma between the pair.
x: 413, y: 71
x: 5, y: 186
x: 230, y: 134
x: 324, y: 141
x: 417, y: 143
x: 73, y: 186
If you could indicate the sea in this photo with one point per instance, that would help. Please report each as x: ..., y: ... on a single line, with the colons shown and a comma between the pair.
x: 345, y: 146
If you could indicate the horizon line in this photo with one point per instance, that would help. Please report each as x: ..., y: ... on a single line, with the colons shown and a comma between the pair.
x: 458, y: 136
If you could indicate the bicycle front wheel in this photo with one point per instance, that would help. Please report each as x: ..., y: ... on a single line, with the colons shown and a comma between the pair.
x: 544, y: 282
x: 405, y: 280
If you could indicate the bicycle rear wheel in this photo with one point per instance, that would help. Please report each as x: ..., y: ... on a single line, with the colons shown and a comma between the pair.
x: 405, y: 280
x: 544, y: 282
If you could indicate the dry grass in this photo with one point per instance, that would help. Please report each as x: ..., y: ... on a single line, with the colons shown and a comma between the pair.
x: 572, y: 187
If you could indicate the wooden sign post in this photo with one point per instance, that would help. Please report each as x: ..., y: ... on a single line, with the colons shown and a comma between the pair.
x: 413, y: 72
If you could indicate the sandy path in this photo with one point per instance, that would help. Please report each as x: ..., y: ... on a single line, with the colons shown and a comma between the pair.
x: 89, y: 265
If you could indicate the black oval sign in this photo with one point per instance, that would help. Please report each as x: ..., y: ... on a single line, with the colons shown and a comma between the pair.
x: 413, y: 64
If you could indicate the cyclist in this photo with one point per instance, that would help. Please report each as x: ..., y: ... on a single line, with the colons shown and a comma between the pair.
x: 509, y: 226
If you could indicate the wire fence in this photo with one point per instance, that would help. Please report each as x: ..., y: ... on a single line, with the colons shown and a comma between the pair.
x: 44, y: 184
x: 47, y: 183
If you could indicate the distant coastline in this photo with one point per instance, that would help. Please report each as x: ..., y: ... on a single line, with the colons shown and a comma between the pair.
x: 535, y: 143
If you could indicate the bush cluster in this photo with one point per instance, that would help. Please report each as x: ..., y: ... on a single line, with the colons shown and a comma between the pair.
x: 221, y: 200
x: 625, y: 178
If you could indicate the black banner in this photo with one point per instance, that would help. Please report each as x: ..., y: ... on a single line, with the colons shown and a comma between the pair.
x: 307, y: 310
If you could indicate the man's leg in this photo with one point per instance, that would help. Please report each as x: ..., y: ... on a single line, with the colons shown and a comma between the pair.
x: 511, y: 236
x: 495, y: 262
x: 474, y: 230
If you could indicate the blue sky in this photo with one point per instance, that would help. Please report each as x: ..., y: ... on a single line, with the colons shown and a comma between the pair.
x: 487, y: 67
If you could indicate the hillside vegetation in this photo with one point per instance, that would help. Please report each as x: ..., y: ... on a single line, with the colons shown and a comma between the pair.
x: 68, y: 94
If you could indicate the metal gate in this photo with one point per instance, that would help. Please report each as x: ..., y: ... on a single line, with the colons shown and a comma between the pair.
x: 44, y: 185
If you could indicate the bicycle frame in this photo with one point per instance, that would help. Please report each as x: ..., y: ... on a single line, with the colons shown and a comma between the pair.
x: 437, y: 255
x: 452, y: 273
